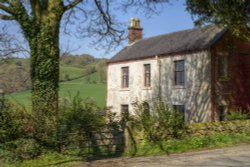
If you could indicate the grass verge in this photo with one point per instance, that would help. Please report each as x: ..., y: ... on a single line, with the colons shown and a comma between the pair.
x: 51, y: 159
x: 188, y: 144
x: 145, y: 149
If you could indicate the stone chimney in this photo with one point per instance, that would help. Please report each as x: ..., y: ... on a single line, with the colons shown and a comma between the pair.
x: 135, y: 30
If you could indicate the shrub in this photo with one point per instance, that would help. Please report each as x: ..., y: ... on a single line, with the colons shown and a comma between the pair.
x: 81, y: 118
x: 21, y: 149
x: 237, y: 114
x: 15, y: 122
x: 163, y: 123
x: 79, y: 112
x: 17, y: 133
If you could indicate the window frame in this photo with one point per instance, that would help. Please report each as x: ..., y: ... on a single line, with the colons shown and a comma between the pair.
x: 147, y: 75
x: 146, y: 109
x: 125, y: 77
x: 124, y: 113
x: 183, y: 112
x: 176, y: 72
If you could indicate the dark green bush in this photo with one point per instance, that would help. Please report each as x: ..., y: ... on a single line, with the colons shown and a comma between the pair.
x: 80, y: 112
x: 17, y: 133
x: 80, y: 117
x: 163, y: 122
x: 15, y: 122
x: 22, y: 149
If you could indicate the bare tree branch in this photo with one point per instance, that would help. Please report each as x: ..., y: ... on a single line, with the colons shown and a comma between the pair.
x: 9, y: 45
x: 71, y: 5
x: 6, y: 17
x: 7, y: 9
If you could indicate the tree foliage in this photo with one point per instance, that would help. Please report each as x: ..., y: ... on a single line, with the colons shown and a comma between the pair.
x: 234, y: 14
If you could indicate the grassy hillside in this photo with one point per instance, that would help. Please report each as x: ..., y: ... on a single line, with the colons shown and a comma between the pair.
x: 71, y: 72
x: 71, y: 67
x: 68, y: 90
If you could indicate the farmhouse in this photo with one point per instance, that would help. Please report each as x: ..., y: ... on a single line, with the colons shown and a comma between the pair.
x: 202, y: 72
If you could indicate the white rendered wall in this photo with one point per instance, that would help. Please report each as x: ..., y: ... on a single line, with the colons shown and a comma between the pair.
x: 195, y: 94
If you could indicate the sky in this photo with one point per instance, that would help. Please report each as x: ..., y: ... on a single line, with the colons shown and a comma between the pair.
x: 173, y: 17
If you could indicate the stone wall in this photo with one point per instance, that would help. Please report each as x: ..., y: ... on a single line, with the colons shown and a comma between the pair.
x: 203, y: 129
x: 134, y: 136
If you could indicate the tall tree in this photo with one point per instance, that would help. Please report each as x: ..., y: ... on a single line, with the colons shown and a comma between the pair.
x: 234, y: 14
x: 40, y: 22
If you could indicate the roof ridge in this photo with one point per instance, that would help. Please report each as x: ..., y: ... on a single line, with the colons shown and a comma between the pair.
x: 175, y: 32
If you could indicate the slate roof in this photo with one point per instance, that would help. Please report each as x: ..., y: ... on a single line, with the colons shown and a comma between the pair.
x: 177, y: 42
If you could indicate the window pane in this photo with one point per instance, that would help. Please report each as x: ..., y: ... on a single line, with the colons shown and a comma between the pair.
x: 125, y: 77
x: 146, y: 109
x: 180, y: 65
x: 179, y: 108
x: 179, y: 72
x: 147, y: 75
x: 124, y: 112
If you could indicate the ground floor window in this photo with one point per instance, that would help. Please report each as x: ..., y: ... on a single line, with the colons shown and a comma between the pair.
x: 124, y: 112
x: 146, y: 109
x: 180, y: 108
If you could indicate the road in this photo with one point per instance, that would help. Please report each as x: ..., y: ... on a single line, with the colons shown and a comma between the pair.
x: 237, y: 156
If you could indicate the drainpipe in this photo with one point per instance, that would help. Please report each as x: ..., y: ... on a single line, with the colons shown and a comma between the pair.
x: 159, y: 78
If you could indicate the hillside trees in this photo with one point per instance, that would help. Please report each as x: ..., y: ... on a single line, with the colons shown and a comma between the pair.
x: 12, y: 83
x: 40, y: 22
x: 234, y: 14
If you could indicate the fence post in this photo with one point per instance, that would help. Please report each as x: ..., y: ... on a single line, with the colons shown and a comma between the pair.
x: 1, y: 100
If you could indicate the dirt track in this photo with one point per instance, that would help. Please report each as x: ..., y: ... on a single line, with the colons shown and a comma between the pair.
x: 238, y: 156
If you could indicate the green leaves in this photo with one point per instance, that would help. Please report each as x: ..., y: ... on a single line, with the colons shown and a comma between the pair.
x: 233, y: 14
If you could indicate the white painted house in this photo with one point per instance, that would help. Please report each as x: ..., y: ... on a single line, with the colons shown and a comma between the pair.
x: 181, y: 65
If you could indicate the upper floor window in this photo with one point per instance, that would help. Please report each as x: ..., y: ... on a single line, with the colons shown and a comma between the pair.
x: 179, y: 72
x: 125, y: 77
x: 147, y: 75
x: 222, y: 65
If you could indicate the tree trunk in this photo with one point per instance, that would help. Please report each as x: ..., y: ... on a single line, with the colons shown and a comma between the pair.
x: 44, y: 46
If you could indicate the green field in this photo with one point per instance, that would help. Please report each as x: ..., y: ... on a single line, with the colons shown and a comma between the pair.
x: 72, y: 72
x: 68, y: 90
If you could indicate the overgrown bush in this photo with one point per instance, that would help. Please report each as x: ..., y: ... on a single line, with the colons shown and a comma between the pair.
x: 237, y: 114
x: 17, y: 133
x: 20, y: 149
x: 81, y: 113
x: 162, y: 123
x: 80, y: 117
x: 15, y: 122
